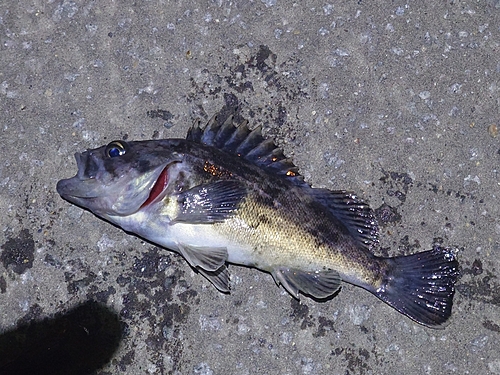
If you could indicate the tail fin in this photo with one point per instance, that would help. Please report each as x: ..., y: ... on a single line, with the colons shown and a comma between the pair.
x: 421, y: 286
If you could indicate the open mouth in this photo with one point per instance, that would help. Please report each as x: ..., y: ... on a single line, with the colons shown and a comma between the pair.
x: 158, y: 188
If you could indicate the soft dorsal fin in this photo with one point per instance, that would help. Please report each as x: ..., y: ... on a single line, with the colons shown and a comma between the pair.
x: 353, y: 212
x: 239, y: 140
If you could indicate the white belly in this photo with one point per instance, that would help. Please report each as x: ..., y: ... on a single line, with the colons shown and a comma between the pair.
x: 205, y: 235
x: 170, y: 236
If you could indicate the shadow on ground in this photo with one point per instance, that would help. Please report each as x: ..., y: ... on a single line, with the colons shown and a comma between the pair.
x: 77, y: 342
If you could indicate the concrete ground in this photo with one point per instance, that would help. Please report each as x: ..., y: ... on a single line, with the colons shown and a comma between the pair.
x: 397, y: 101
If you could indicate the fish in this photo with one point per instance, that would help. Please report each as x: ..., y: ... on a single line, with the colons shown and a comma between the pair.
x: 228, y: 195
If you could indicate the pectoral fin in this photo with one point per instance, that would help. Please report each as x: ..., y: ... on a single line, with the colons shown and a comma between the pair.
x: 210, y: 203
x: 318, y: 284
x: 219, y: 278
x: 206, y: 258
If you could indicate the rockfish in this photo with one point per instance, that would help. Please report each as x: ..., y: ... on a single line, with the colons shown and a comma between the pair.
x: 225, y: 194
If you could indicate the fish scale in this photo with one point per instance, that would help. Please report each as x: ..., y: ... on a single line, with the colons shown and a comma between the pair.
x: 226, y: 195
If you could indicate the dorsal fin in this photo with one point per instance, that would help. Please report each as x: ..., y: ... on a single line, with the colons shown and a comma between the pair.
x: 239, y: 140
x: 353, y: 212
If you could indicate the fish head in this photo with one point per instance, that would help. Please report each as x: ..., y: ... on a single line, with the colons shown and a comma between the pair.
x: 119, y: 178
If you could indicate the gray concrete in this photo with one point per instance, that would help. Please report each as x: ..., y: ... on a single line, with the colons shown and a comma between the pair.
x: 397, y: 101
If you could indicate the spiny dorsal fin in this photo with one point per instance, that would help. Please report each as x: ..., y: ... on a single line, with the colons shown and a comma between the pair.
x: 238, y: 139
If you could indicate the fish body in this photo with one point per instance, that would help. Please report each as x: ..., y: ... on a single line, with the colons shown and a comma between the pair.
x: 227, y: 195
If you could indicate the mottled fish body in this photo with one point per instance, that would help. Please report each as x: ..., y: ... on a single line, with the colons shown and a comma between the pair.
x: 227, y: 195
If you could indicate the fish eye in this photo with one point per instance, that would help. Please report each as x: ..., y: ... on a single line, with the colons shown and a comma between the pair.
x: 116, y: 148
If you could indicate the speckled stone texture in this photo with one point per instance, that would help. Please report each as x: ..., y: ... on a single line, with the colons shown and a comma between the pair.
x: 397, y: 101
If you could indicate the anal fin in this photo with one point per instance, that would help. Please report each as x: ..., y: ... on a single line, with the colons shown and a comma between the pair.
x: 318, y: 284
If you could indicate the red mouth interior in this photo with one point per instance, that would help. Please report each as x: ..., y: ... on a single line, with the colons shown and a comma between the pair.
x: 158, y: 187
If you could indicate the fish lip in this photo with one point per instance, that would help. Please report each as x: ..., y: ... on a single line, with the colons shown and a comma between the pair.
x: 66, y: 187
x: 66, y: 190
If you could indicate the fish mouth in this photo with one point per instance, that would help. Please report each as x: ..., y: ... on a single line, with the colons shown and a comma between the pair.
x: 109, y: 191
x: 78, y: 186
x: 82, y: 193
x: 66, y: 188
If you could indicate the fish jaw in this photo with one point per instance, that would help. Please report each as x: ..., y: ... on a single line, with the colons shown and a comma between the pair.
x: 121, y: 192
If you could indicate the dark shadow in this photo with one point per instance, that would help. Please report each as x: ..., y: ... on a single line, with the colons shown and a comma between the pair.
x: 77, y: 342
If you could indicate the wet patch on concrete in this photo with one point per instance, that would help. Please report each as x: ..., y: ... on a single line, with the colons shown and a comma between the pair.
x: 159, y: 296
x: 18, y: 253
x: 254, y: 65
x: 479, y: 284
x: 356, y: 360
x: 300, y: 313
x: 397, y: 184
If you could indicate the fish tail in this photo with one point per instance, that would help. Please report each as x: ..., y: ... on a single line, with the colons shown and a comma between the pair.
x: 421, y: 286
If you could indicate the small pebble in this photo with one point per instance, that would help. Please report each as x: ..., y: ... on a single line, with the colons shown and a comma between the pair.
x: 493, y: 130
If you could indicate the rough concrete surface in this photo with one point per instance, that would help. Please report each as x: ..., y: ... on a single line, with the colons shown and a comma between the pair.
x: 397, y: 101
